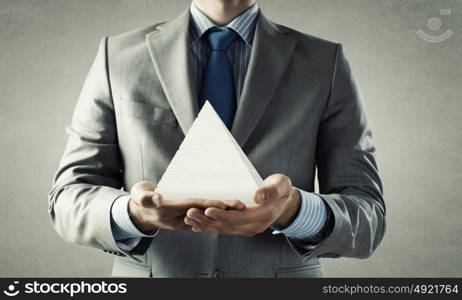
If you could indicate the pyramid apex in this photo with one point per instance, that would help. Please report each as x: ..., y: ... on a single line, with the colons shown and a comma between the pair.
x: 207, y: 106
x: 207, y: 111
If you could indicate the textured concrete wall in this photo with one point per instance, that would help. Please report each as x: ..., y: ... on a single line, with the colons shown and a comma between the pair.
x: 412, y: 89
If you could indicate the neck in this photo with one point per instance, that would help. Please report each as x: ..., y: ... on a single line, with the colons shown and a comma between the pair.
x: 221, y: 12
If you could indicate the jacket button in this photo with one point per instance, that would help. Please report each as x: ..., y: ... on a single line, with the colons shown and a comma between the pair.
x: 218, y: 274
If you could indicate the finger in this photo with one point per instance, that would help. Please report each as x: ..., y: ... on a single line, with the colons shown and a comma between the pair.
x: 221, y: 204
x: 197, y: 203
x: 217, y: 214
x: 201, y: 228
x: 227, y: 216
x: 213, y: 227
x: 158, y: 200
x: 142, y: 193
x: 153, y: 200
x: 234, y: 204
x: 249, y: 215
x: 143, y: 186
x: 197, y: 227
x: 205, y: 203
x: 144, y: 199
x: 198, y: 216
x: 180, y: 207
x: 276, y: 186
x: 190, y: 222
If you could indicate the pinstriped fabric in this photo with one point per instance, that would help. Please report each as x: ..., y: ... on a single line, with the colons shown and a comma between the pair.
x: 239, y: 53
x: 310, y: 220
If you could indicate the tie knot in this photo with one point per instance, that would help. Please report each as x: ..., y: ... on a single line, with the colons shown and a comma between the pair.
x: 220, y: 39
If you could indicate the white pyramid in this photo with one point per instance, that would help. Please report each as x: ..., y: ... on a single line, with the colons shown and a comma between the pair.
x: 210, y: 164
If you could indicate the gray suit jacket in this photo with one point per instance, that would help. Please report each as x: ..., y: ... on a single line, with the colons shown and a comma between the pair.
x: 300, y: 109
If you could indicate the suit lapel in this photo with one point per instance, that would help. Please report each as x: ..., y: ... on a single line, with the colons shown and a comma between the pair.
x: 169, y: 49
x: 271, y: 53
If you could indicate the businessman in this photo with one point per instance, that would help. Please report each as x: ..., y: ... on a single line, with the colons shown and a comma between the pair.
x: 290, y: 101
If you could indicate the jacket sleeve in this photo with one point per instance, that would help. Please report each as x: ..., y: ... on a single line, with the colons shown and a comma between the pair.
x: 89, y: 177
x: 349, y: 182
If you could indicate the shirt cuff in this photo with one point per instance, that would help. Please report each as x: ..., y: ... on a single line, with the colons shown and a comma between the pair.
x: 310, y: 219
x: 124, y: 228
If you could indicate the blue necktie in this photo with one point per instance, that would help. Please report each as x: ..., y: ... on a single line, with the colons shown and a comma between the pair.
x: 217, y: 81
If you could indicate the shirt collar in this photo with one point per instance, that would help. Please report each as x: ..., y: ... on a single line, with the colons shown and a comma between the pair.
x: 244, y: 24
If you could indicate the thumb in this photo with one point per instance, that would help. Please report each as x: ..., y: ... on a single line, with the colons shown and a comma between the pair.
x: 151, y: 200
x: 143, y: 194
x: 143, y: 186
x: 275, y: 187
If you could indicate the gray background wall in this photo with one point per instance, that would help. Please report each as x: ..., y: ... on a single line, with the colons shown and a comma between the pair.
x: 413, y: 94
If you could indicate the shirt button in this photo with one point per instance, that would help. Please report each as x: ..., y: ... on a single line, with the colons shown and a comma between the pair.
x: 218, y: 274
